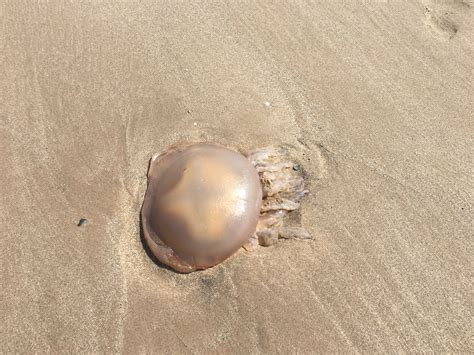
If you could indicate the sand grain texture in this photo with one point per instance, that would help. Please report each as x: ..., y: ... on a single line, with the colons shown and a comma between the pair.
x: 374, y: 100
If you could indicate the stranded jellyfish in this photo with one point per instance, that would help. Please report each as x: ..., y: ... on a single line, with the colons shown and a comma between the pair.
x: 204, y: 202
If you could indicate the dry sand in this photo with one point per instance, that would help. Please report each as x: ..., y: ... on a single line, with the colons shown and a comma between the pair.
x: 373, y: 98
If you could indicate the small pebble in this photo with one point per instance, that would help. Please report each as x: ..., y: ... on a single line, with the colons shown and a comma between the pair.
x: 267, y: 103
x: 195, y: 124
x: 82, y: 222
x: 296, y: 167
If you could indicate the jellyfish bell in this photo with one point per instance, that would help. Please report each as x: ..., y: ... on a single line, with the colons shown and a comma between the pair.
x: 202, y: 204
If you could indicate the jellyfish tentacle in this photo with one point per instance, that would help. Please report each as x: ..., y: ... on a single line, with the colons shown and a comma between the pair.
x: 287, y: 232
x: 252, y: 242
x: 283, y: 188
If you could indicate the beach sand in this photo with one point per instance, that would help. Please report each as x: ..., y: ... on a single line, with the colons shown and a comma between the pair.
x: 373, y: 99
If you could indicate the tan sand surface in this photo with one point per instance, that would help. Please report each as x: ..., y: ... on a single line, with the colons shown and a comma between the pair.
x: 373, y: 98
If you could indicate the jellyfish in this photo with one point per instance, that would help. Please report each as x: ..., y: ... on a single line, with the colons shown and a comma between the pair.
x: 204, y: 202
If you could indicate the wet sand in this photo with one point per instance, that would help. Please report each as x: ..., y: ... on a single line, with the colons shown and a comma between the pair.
x: 374, y: 99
